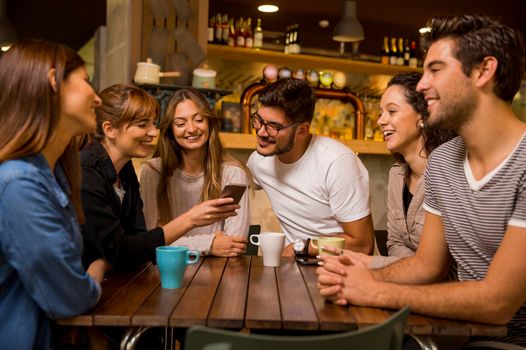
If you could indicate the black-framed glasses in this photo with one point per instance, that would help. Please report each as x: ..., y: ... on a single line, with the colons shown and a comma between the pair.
x: 270, y: 128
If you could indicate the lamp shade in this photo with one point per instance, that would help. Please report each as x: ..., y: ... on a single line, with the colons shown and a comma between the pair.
x: 348, y: 29
x: 7, y: 32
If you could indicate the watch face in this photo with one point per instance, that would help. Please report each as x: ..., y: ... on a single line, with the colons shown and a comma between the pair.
x: 299, y: 245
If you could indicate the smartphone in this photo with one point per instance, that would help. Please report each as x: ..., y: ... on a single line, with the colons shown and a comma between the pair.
x: 235, y: 191
x: 307, y: 261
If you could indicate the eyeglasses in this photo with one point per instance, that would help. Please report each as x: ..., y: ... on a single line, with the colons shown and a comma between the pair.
x: 271, y: 129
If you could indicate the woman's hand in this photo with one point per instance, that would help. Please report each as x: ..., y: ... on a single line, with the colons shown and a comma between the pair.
x: 361, y: 257
x: 228, y: 246
x: 211, y: 211
x: 98, y: 268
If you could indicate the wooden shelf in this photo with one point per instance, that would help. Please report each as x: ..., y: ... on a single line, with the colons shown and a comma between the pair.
x: 248, y: 142
x: 304, y: 61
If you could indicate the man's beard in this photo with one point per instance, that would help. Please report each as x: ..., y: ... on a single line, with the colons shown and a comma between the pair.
x: 453, y: 116
x: 280, y: 150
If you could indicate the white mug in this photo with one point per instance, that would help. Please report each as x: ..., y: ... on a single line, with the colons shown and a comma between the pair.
x: 271, y: 244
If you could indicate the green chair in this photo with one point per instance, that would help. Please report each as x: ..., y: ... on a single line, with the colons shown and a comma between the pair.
x: 384, y: 336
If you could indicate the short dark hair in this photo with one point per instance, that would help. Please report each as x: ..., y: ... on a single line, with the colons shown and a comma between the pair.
x: 433, y: 137
x: 477, y: 37
x: 293, y: 96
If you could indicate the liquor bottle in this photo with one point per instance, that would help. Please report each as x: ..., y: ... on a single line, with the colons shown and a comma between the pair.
x: 297, y: 41
x: 249, y: 39
x: 394, y: 52
x: 400, y: 56
x: 384, y: 56
x: 224, y: 28
x: 211, y: 29
x: 287, y: 40
x: 231, y: 33
x: 406, y: 52
x: 258, y: 35
x: 412, y: 55
x: 218, y: 37
x: 240, y: 33
x: 292, y: 39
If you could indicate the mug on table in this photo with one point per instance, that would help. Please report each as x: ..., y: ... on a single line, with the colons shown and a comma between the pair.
x: 271, y: 244
x: 172, y: 261
x: 327, y: 241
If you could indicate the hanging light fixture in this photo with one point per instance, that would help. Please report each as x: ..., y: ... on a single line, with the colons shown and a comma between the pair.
x: 348, y: 28
x: 7, y: 32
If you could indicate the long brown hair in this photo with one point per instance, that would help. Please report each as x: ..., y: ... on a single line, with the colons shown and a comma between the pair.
x: 30, y: 107
x: 171, y: 156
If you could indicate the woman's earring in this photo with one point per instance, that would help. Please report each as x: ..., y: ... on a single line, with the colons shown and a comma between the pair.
x: 421, y: 124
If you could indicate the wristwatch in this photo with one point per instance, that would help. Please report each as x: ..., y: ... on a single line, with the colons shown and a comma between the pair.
x: 301, y: 247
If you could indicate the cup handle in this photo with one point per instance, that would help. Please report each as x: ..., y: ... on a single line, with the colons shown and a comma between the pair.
x: 314, y: 245
x: 189, y: 255
x: 252, y: 241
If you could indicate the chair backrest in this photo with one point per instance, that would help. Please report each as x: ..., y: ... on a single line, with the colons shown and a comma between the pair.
x: 384, y: 336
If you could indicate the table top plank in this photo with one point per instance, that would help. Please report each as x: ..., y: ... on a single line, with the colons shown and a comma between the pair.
x: 367, y: 316
x: 110, y: 288
x: 228, y: 308
x: 331, y: 317
x: 118, y: 311
x: 159, y: 305
x: 297, y: 309
x: 263, y: 310
x: 483, y: 330
x: 194, y: 306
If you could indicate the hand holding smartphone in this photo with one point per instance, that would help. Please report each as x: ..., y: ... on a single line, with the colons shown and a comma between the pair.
x: 233, y: 190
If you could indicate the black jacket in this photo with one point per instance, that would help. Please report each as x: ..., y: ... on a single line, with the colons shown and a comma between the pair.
x: 114, y: 231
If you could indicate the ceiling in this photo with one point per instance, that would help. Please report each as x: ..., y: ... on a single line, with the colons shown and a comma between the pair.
x: 74, y: 22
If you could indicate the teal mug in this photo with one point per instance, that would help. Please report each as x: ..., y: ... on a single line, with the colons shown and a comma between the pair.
x: 172, y: 261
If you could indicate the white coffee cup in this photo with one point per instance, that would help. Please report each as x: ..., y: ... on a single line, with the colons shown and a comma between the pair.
x: 271, y: 244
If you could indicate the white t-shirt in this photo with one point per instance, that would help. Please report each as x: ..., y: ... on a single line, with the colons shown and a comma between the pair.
x: 326, y: 186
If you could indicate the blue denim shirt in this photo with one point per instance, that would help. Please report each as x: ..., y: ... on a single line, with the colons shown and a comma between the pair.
x: 41, y: 274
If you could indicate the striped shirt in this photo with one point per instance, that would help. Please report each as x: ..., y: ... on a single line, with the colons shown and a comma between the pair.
x: 476, y: 213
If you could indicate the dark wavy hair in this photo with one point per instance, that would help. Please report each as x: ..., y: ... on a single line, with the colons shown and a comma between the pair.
x: 477, y: 37
x: 433, y: 137
x: 293, y: 96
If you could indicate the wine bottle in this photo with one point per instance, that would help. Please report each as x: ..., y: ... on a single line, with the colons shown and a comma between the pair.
x: 406, y: 52
x: 297, y: 42
x: 384, y: 56
x: 258, y: 35
x: 287, y: 40
x: 394, y: 52
x: 218, y: 30
x: 240, y: 34
x: 211, y: 29
x: 224, y: 28
x: 249, y: 40
x: 231, y: 33
x: 400, y: 53
x: 412, y: 55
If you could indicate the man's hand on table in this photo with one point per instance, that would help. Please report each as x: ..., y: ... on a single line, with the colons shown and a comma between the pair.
x: 344, y: 280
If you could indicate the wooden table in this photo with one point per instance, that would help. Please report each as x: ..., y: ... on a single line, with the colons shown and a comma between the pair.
x: 240, y: 293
